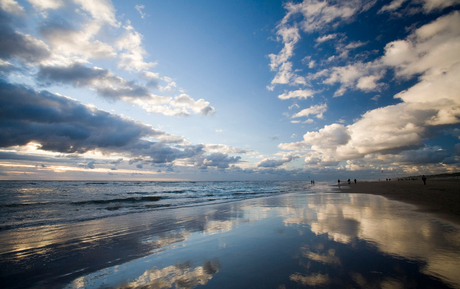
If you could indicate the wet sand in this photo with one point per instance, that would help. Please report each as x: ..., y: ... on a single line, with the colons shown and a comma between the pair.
x: 294, y: 240
x: 438, y: 196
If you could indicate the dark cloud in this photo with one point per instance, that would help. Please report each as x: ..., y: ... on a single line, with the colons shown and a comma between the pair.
x: 427, y: 155
x: 117, y: 162
x: 90, y: 165
x: 76, y: 74
x: 218, y: 160
x: 61, y: 124
x: 272, y: 163
x: 106, y: 84
x: 15, y: 44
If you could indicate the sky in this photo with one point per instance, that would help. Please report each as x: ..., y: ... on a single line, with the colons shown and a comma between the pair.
x: 228, y: 90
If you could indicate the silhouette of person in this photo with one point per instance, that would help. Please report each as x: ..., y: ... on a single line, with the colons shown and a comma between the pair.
x: 348, y: 181
x: 424, y: 179
x: 338, y: 181
x: 355, y: 181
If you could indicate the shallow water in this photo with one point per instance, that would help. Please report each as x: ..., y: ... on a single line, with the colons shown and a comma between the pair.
x: 287, y: 241
x: 41, y: 203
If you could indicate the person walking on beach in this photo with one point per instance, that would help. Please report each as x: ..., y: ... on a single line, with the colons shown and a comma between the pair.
x: 338, y: 181
x: 424, y: 179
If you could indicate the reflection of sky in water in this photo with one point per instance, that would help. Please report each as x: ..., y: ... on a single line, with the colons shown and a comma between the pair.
x: 290, y: 241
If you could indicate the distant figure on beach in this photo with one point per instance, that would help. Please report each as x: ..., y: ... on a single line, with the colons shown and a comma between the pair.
x: 424, y: 179
x: 355, y: 181
x: 349, y: 182
x: 338, y: 181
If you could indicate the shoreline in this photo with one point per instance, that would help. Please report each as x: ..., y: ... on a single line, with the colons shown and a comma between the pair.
x: 439, y: 196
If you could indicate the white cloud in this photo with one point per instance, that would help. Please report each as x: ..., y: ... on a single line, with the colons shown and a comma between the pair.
x: 394, y: 5
x: 289, y: 36
x: 317, y: 110
x: 46, y: 4
x: 284, y: 74
x: 300, y: 94
x: 132, y: 55
x: 101, y: 10
x: 139, y: 9
x: 198, y: 106
x: 12, y: 7
x: 325, y: 38
x: 272, y: 163
x: 319, y: 14
x: 69, y: 45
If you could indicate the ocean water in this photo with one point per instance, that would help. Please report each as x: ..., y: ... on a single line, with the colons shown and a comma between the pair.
x: 42, y: 203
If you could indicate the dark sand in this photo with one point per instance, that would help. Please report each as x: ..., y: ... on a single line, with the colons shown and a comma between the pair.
x: 438, y: 196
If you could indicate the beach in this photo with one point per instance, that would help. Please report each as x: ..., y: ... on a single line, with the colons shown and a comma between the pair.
x: 438, y: 196
x: 304, y: 238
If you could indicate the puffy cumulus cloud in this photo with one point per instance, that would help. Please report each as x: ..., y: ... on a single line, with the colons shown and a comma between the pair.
x: 197, y: 106
x: 317, y: 110
x: 273, y: 163
x: 393, y: 135
x: 431, y: 50
x: 363, y: 76
x: 300, y: 94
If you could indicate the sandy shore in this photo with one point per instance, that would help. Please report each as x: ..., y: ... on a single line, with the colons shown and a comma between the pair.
x: 439, y: 196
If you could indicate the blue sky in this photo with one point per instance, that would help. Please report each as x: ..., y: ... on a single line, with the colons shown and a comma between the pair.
x: 229, y: 90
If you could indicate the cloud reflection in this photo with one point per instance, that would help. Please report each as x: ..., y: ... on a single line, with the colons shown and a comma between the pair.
x: 181, y: 276
x: 391, y: 226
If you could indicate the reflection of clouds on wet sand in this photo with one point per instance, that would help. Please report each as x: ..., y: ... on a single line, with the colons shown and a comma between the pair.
x: 311, y: 280
x: 391, y: 226
x: 181, y: 276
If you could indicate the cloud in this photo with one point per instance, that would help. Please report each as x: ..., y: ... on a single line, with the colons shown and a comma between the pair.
x: 63, y: 125
x: 100, y: 10
x: 317, y: 110
x: 113, y: 87
x: 221, y: 148
x: 318, y: 15
x: 325, y: 38
x: 12, y: 7
x: 218, y: 160
x: 139, y: 9
x: 74, y: 43
x: 198, y: 106
x: 46, y: 4
x: 300, y: 94
x: 132, y: 52
x: 19, y: 45
x: 60, y: 124
x: 394, y: 5
x: 273, y: 163
x: 427, y: 5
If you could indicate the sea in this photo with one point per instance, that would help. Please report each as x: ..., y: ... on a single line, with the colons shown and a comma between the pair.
x: 43, y: 203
